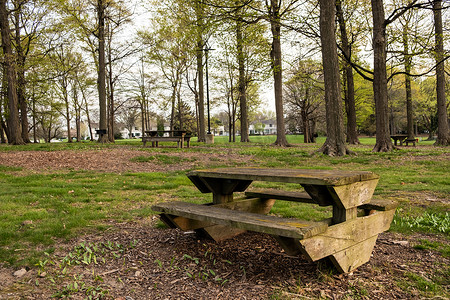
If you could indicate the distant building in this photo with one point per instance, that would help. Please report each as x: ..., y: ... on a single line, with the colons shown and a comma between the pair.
x: 265, y: 127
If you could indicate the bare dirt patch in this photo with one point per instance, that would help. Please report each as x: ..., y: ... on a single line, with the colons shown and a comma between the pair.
x: 169, y: 264
x: 115, y: 160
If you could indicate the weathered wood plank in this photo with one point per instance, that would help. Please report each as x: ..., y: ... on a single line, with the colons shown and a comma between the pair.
x: 290, y: 246
x: 301, y: 176
x: 254, y: 205
x: 343, y: 215
x: 349, y: 259
x: 379, y: 204
x: 344, y: 235
x: 353, y: 194
x: 220, y: 232
x: 282, y: 195
x: 244, y: 220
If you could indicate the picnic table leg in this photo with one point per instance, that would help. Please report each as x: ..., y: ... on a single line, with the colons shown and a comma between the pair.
x: 349, y: 259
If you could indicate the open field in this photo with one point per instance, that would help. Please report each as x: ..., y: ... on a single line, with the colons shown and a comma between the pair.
x: 77, y: 217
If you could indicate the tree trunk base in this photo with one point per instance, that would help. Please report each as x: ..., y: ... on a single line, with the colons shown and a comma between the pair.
x: 383, y: 147
x: 103, y: 139
x: 279, y: 144
x: 442, y: 141
x: 334, y: 149
x: 353, y: 141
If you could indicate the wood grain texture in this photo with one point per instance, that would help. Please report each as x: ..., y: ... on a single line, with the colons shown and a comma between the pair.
x: 300, y: 176
x: 349, y: 259
x: 244, y: 220
x: 282, y: 195
x: 344, y: 235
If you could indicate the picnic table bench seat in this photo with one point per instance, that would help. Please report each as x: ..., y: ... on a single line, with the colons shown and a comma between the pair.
x: 374, y: 204
x: 211, y: 215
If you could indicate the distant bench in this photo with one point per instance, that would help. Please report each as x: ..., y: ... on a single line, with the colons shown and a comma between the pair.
x: 347, y: 238
x: 403, y: 138
x: 156, y: 136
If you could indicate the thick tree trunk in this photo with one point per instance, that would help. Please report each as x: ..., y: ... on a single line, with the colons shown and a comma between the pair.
x: 443, y: 134
x: 275, y: 26
x: 349, y: 86
x: 407, y: 62
x: 101, y: 84
x: 335, y: 142
x: 242, y: 83
x: 383, y: 139
x: 21, y: 75
x: 15, y: 137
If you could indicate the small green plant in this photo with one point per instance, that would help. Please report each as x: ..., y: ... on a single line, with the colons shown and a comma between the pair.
x: 194, y: 259
x: 159, y: 263
x: 427, y: 222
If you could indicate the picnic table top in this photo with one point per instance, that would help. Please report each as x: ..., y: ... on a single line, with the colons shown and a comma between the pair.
x: 300, y: 176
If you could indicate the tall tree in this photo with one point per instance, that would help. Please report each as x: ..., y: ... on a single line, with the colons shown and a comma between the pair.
x: 443, y: 137
x: 349, y: 86
x: 101, y: 81
x: 335, y: 142
x: 15, y: 135
x: 241, y: 79
x: 274, y: 11
x: 383, y: 139
x: 200, y: 94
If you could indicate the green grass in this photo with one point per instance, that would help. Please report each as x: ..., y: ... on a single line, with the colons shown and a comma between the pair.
x: 63, y: 204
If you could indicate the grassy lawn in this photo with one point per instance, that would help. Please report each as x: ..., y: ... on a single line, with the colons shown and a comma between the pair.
x: 39, y: 209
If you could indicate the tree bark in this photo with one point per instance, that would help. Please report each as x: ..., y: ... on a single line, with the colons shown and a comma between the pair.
x: 383, y: 139
x: 201, y: 92
x: 443, y: 135
x: 275, y: 27
x: 21, y: 75
x: 335, y: 142
x: 349, y: 86
x: 15, y: 137
x: 101, y: 84
x: 407, y: 62
x: 242, y: 83
x: 2, y: 123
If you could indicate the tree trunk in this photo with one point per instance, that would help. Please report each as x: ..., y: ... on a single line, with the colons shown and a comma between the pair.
x: 201, y: 92
x: 407, y: 62
x: 335, y: 142
x: 21, y: 76
x: 101, y: 84
x: 349, y: 86
x: 275, y: 27
x: 111, y: 115
x: 2, y: 123
x: 443, y: 134
x: 242, y: 83
x: 15, y: 137
x: 383, y: 139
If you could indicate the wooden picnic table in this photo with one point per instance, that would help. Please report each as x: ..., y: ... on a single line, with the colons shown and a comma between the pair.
x: 399, y: 137
x: 156, y: 136
x: 347, y: 238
